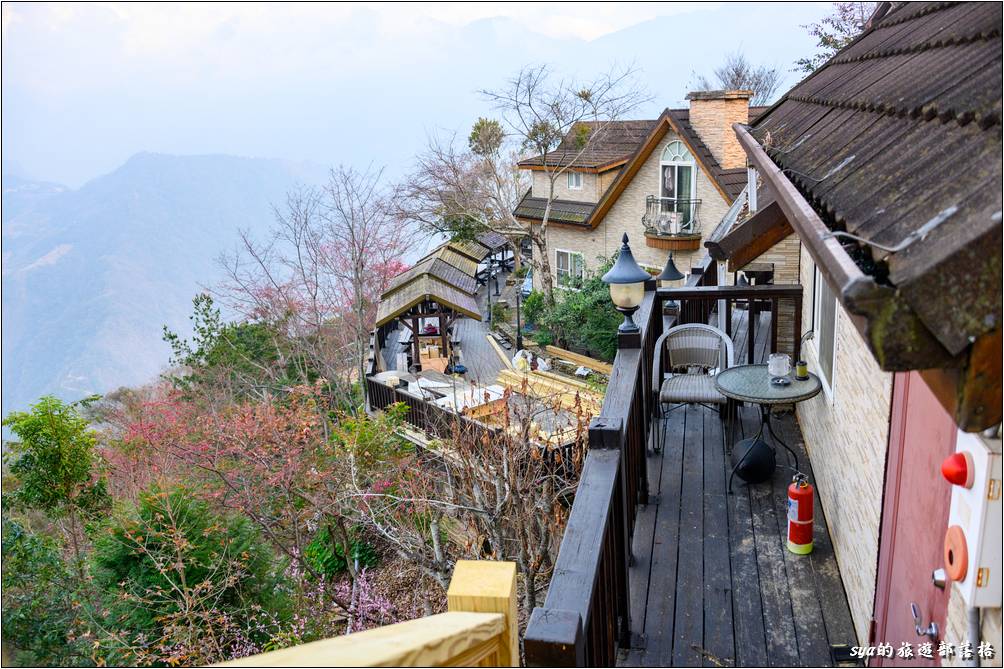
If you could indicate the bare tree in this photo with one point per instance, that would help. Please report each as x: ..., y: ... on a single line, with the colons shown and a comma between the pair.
x: 836, y: 31
x: 539, y: 111
x: 462, y: 192
x: 321, y: 272
x: 738, y: 73
x: 499, y: 493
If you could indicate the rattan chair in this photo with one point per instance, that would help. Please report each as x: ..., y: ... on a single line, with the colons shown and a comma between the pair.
x: 686, y: 359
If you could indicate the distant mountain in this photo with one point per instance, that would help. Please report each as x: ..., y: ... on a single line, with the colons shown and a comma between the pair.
x: 91, y: 275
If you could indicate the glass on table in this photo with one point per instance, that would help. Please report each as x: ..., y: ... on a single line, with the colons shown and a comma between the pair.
x: 778, y: 364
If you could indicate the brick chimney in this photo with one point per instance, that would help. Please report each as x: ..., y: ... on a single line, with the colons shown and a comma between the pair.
x: 712, y: 114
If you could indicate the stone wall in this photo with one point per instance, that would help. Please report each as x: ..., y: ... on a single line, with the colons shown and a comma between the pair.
x: 846, y: 432
x: 712, y: 114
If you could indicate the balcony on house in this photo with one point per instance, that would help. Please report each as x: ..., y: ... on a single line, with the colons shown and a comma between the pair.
x: 672, y: 223
x: 660, y: 565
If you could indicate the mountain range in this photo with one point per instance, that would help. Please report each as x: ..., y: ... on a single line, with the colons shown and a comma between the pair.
x: 90, y: 276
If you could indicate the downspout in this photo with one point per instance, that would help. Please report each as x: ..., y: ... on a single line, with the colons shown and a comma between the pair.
x: 876, y: 310
x: 973, y: 624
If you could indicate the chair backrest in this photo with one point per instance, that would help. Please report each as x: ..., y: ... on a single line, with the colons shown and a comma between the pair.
x: 692, y: 345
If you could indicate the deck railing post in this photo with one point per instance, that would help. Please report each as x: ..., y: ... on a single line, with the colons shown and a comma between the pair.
x: 483, y: 586
x: 608, y: 433
x: 554, y: 639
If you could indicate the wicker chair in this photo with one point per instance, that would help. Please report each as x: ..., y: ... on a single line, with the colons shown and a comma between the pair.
x: 693, y: 352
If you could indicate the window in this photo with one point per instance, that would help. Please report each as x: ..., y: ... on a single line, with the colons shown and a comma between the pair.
x: 574, y: 180
x: 570, y: 268
x: 676, y: 182
x: 824, y: 325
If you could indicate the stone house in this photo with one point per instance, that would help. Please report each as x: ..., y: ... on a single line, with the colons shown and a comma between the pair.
x: 662, y: 181
x: 901, y: 270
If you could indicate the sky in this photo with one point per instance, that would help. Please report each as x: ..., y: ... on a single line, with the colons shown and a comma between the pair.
x: 85, y: 86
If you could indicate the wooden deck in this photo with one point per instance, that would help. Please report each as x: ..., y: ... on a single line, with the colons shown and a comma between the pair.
x: 712, y: 583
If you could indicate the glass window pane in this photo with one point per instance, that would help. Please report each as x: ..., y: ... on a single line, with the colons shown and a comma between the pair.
x: 827, y: 329
x: 668, y: 181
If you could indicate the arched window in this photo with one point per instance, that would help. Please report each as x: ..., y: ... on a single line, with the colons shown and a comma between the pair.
x: 677, y: 174
x: 676, y: 152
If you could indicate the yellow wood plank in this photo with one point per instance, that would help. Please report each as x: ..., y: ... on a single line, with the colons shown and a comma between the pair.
x: 585, y: 361
x: 486, y: 586
x: 433, y: 641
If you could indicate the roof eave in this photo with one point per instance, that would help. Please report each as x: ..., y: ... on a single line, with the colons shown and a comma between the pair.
x: 893, y: 332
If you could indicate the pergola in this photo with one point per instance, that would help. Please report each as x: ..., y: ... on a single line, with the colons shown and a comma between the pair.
x: 442, y: 285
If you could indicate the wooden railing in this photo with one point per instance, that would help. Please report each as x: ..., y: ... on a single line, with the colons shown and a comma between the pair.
x: 480, y: 629
x: 698, y: 302
x: 586, y: 616
x: 423, y: 414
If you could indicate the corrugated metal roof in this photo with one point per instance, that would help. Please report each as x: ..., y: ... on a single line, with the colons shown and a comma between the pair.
x: 897, y: 139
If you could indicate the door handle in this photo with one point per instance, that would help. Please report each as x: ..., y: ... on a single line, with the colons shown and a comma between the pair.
x: 930, y: 631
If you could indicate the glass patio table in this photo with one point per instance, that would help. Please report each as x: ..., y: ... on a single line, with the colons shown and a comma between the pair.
x: 752, y: 383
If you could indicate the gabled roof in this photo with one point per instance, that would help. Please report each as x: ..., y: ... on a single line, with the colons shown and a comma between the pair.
x: 440, y: 269
x: 611, y: 147
x: 897, y: 140
x: 420, y: 289
x: 586, y: 214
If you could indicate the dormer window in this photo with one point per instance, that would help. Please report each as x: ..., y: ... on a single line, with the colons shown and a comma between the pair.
x: 574, y: 180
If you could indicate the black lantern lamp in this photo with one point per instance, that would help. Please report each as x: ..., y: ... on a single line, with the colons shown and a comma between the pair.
x: 670, y: 274
x: 627, y: 285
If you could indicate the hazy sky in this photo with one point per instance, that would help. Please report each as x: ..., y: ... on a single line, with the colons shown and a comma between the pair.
x: 86, y: 86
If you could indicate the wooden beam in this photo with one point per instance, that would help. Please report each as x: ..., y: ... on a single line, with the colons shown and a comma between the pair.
x: 483, y: 586
x: 753, y: 238
x: 972, y: 393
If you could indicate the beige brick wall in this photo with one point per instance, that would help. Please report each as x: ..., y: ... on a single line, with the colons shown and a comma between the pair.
x: 713, y: 119
x: 588, y: 193
x: 846, y: 432
x: 626, y: 216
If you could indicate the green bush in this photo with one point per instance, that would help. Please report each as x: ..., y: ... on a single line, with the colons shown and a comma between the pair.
x: 500, y: 314
x: 38, y: 598
x: 584, y: 319
x: 179, y: 579
x: 328, y: 557
x: 533, y: 306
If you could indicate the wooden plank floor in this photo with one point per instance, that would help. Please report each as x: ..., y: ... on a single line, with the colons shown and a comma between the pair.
x: 712, y: 583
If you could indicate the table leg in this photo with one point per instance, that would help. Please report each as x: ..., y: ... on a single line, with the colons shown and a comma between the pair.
x: 770, y: 428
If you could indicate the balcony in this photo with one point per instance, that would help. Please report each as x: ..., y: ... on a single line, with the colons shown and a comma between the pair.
x: 672, y: 224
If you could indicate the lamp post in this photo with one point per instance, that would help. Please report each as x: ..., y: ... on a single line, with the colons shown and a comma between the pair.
x: 669, y: 275
x: 627, y: 285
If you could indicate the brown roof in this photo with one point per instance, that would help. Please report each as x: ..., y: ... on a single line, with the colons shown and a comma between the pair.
x: 438, y: 268
x: 562, y: 211
x: 897, y: 140
x: 613, y: 145
x: 420, y: 289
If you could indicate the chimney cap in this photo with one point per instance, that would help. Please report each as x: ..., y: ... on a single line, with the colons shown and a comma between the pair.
x: 720, y: 95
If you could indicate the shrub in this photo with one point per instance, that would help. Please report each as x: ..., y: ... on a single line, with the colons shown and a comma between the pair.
x: 181, y: 583
x: 38, y: 594
x: 328, y: 557
x: 500, y: 314
x: 584, y: 319
x: 533, y: 306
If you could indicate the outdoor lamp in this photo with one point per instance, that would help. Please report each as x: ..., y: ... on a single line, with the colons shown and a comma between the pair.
x: 670, y: 274
x: 627, y: 285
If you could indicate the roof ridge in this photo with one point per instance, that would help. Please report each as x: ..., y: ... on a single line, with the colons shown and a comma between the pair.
x: 916, y: 48
x: 930, y: 9
x: 927, y: 112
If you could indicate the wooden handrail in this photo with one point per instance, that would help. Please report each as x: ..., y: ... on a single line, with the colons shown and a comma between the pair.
x: 586, y: 616
x: 480, y: 629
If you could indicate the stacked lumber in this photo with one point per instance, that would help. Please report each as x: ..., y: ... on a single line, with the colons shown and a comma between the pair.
x: 579, y: 359
x: 547, y: 385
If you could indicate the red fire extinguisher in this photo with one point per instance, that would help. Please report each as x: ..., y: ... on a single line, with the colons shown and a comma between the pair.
x: 800, y: 515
